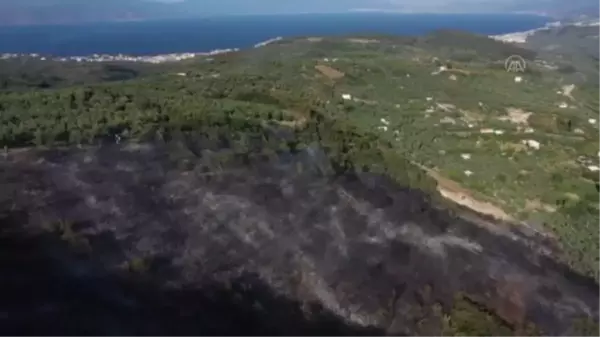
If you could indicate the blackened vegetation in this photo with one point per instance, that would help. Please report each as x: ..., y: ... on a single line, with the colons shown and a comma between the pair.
x: 48, y: 290
x: 124, y: 239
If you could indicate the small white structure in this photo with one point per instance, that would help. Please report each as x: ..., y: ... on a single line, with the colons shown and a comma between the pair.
x: 428, y: 98
x: 579, y: 131
x: 385, y: 121
x: 440, y: 70
x: 447, y: 120
x: 470, y: 126
x: 452, y: 77
x: 518, y: 79
x: 499, y: 132
x: 593, y: 168
x: 480, y: 104
x: 563, y: 105
x: 429, y: 110
x: 468, y: 173
x: 466, y: 156
x: 592, y: 121
x: 181, y: 74
x: 534, y: 144
x: 486, y: 131
x: 347, y: 97
x: 529, y: 130
x: 382, y: 128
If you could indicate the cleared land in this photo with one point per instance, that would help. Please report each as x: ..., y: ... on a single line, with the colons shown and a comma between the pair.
x: 330, y: 72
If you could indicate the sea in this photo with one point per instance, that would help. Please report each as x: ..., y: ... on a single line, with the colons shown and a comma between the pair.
x: 205, y: 34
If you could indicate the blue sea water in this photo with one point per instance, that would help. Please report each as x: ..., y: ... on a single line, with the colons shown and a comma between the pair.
x: 200, y: 35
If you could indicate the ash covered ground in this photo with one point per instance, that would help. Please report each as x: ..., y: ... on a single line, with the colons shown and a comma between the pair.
x: 150, y: 239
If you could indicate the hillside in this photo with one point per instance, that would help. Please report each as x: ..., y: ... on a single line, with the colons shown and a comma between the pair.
x: 37, y: 73
x: 573, y: 48
x: 348, y: 185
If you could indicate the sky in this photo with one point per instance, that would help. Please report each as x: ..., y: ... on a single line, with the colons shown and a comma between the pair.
x: 445, y: 6
x: 208, y: 7
x: 458, y: 5
x: 336, y: 5
x: 265, y: 5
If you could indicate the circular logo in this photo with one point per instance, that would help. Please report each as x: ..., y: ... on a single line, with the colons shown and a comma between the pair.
x: 515, y: 64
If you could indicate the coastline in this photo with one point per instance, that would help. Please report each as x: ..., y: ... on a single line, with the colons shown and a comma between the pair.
x: 521, y: 37
x: 159, y: 58
x: 514, y: 37
x: 196, y: 38
x: 518, y: 37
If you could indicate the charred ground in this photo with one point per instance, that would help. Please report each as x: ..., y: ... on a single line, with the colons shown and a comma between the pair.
x: 127, y: 240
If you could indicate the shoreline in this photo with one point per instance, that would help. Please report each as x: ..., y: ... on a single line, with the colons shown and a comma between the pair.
x: 161, y: 55
x: 155, y: 59
x: 521, y: 37
x: 518, y: 37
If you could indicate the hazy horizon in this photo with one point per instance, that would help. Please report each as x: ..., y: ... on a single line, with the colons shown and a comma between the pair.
x: 65, y: 11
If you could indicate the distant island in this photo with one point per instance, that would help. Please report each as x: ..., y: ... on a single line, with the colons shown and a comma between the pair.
x: 48, y: 12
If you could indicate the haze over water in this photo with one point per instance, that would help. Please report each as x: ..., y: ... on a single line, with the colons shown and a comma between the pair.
x: 200, y: 35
